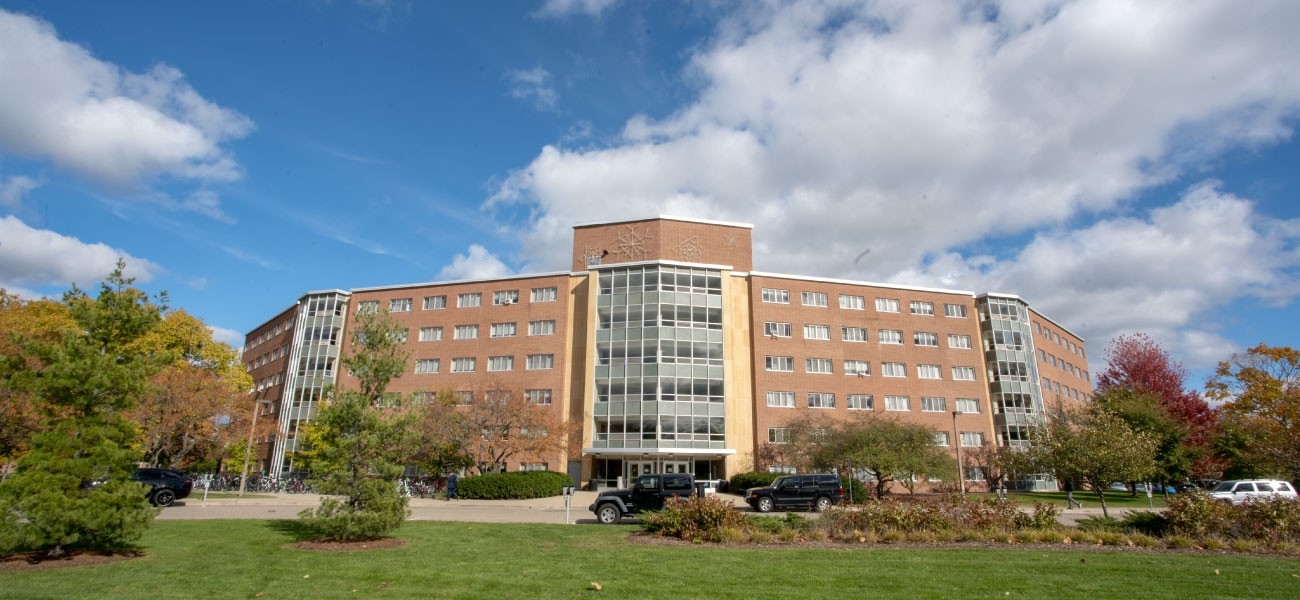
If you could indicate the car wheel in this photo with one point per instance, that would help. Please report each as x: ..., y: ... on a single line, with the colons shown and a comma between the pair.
x: 164, y: 497
x: 607, y: 514
x: 823, y: 503
x: 764, y: 505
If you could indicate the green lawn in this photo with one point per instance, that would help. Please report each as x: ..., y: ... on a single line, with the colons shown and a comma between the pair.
x: 248, y: 559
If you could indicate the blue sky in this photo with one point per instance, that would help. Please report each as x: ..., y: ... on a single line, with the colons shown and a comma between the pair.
x: 1122, y: 167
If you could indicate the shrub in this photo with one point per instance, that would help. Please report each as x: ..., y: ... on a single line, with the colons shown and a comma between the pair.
x: 855, y: 491
x: 1270, y: 521
x: 1101, y: 525
x: 696, y: 519
x: 518, y: 485
x: 740, y: 482
x: 1198, y: 515
x: 1148, y: 523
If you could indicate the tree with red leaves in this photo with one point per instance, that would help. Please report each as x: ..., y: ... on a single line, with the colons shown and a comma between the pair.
x: 1138, y: 364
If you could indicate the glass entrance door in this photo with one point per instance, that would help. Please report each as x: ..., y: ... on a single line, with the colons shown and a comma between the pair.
x: 677, y: 466
x: 636, y: 468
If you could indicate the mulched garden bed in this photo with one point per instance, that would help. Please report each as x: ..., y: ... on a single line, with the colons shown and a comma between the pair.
x: 30, y: 561
x: 378, y: 544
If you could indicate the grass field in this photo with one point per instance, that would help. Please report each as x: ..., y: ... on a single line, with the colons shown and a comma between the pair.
x: 249, y: 559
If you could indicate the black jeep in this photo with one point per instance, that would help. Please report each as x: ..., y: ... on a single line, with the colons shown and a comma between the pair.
x: 817, y: 491
x: 165, y: 485
x: 647, y: 494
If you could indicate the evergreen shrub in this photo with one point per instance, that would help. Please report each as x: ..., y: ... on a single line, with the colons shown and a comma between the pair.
x: 518, y: 485
x: 741, y: 482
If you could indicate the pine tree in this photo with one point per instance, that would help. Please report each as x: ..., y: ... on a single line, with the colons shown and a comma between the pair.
x: 73, y: 489
x: 355, y: 454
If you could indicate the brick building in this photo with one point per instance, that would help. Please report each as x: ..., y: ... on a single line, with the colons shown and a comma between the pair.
x: 669, y: 353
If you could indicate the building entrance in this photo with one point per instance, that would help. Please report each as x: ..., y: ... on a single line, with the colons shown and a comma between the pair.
x: 635, y: 468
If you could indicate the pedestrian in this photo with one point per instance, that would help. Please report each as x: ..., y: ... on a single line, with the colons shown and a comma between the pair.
x: 1070, y: 502
x: 451, y: 488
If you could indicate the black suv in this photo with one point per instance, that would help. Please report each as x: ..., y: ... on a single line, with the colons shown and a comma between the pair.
x: 818, y: 491
x: 650, y: 492
x: 165, y: 485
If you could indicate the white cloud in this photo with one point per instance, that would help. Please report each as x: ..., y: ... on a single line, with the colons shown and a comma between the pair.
x: 39, y: 257
x: 13, y: 189
x: 60, y: 102
x: 478, y: 263
x: 563, y: 8
x: 1162, y: 275
x: 532, y: 85
x: 913, y: 129
x: 227, y: 336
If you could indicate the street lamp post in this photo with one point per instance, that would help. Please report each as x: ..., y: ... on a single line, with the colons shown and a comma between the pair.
x: 956, y: 439
x: 248, y: 451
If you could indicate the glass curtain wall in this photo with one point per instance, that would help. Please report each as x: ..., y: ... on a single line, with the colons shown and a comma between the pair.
x: 659, y: 351
x: 1013, y: 374
x: 315, y: 362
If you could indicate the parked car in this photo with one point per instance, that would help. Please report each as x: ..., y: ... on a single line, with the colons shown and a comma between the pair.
x: 649, y: 493
x: 818, y: 491
x: 1238, y: 491
x: 166, y: 486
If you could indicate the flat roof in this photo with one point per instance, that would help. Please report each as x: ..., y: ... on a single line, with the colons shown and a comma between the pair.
x: 894, y: 286
x: 460, y: 281
x: 667, y: 218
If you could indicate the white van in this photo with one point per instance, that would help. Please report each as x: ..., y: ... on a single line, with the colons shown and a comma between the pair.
x: 1247, y: 490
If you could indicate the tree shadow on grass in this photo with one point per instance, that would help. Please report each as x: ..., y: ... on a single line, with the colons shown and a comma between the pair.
x: 295, y: 529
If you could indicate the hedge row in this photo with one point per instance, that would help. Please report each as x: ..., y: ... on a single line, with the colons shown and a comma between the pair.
x: 518, y: 485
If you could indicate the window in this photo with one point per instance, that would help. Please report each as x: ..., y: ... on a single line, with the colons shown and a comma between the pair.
x: 963, y: 373
x: 922, y: 338
x: 814, y: 299
x: 886, y: 305
x: 772, y: 328
x: 501, y: 363
x: 464, y: 398
x: 922, y: 308
x: 503, y: 330
x: 972, y: 439
x: 854, y: 334
x: 533, y: 466
x: 928, y: 372
x: 466, y: 332
x: 780, y: 363
x: 959, y: 341
x: 541, y: 328
x: 780, y: 399
x: 860, y: 402
x: 400, y: 336
x: 399, y: 305
x: 505, y: 297
x: 368, y: 307
x: 968, y: 405
x: 852, y: 303
x: 778, y: 435
x: 861, y: 368
x: 776, y: 296
x: 897, y: 403
x: 469, y: 300
x: 956, y: 311
x: 816, y: 332
x: 893, y: 369
x: 933, y: 404
x: 538, y: 362
x: 543, y: 295
x: 430, y: 334
x: 821, y: 400
x: 462, y: 365
x: 538, y: 396
x: 435, y: 302
x: 941, y: 438
x: 889, y: 336
x: 819, y: 365
x: 426, y: 365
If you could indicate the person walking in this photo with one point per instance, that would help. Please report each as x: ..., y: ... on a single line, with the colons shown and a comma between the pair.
x: 451, y: 488
x: 1070, y: 502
